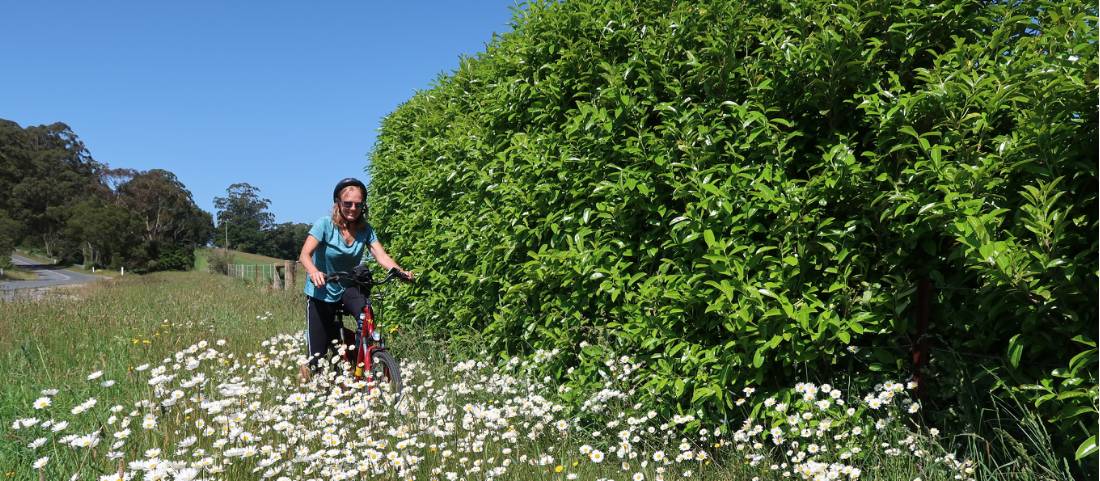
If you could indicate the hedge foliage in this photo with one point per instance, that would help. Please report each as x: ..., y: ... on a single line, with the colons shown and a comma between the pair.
x: 749, y: 193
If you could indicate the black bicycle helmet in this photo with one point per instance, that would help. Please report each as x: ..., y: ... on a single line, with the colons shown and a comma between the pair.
x: 345, y: 183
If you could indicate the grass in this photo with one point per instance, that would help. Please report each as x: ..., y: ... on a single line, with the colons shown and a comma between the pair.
x: 113, y: 327
x: 18, y: 274
x: 117, y: 328
x: 238, y: 258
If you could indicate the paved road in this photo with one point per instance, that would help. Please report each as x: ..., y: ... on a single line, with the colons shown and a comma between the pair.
x: 48, y: 276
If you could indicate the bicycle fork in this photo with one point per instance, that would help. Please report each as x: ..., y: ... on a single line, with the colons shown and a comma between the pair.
x: 368, y: 339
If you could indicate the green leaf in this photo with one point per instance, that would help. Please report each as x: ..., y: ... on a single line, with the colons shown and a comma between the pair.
x: 702, y: 392
x: 758, y: 358
x: 1015, y: 351
x: 1086, y: 448
x: 708, y: 236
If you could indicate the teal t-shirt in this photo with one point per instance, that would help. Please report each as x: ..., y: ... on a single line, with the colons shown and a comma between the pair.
x: 333, y: 254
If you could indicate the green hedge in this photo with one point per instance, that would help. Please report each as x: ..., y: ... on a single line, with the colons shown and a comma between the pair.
x: 749, y: 193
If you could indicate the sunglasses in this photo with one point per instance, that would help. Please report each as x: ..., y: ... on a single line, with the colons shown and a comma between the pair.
x: 353, y: 205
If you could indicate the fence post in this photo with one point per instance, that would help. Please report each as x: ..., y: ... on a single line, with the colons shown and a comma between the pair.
x: 275, y: 284
x: 291, y: 274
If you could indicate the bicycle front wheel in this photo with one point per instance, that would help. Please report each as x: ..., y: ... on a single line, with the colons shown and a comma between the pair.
x: 386, y: 375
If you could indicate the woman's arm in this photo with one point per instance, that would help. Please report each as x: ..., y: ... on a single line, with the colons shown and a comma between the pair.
x: 306, y: 258
x: 386, y: 261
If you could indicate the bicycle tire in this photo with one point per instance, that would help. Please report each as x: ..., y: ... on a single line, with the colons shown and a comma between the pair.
x: 386, y: 372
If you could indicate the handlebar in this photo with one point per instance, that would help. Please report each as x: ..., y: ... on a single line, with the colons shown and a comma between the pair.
x: 363, y: 277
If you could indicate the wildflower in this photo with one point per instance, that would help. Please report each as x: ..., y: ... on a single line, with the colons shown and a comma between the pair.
x: 95, y: 375
x: 149, y: 422
x: 42, y: 403
x: 86, y: 441
x: 596, y: 456
x: 84, y: 406
x: 41, y: 462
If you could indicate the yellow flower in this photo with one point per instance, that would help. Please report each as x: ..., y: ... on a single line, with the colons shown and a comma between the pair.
x: 559, y: 468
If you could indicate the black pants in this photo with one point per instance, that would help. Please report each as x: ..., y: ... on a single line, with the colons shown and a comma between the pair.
x: 323, y: 329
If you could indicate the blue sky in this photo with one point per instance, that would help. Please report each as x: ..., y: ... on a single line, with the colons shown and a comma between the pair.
x: 286, y: 96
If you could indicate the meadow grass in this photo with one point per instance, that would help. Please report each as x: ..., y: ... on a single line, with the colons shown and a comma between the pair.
x: 18, y: 274
x: 463, y: 416
x: 238, y: 257
x: 54, y: 343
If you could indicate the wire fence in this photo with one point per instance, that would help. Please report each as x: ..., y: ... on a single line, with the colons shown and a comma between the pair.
x: 278, y: 276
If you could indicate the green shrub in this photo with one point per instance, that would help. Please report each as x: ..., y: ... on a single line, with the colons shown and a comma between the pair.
x: 749, y: 193
x: 218, y: 260
x: 175, y: 258
x: 8, y: 233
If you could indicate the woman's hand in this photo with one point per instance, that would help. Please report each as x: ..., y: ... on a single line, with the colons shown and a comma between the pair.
x: 318, y: 278
x: 408, y: 275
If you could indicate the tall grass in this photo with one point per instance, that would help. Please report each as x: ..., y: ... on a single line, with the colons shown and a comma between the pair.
x: 99, y: 343
x: 114, y: 327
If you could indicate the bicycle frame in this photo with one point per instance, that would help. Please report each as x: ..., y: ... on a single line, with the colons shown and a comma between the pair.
x: 367, y: 338
x: 369, y: 341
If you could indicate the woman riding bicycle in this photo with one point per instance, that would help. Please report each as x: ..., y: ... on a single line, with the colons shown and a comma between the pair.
x: 336, y: 243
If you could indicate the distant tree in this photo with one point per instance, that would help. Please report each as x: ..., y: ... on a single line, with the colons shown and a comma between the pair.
x: 9, y: 232
x: 243, y: 218
x: 165, y: 208
x: 106, y: 232
x: 171, y: 224
x: 284, y: 241
x: 80, y: 210
x: 116, y: 178
x: 44, y: 171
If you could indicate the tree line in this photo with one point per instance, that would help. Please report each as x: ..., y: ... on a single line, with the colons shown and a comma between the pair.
x: 57, y: 199
x: 245, y: 223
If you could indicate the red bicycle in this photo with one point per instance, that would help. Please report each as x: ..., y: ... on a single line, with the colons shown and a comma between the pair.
x: 366, y: 349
